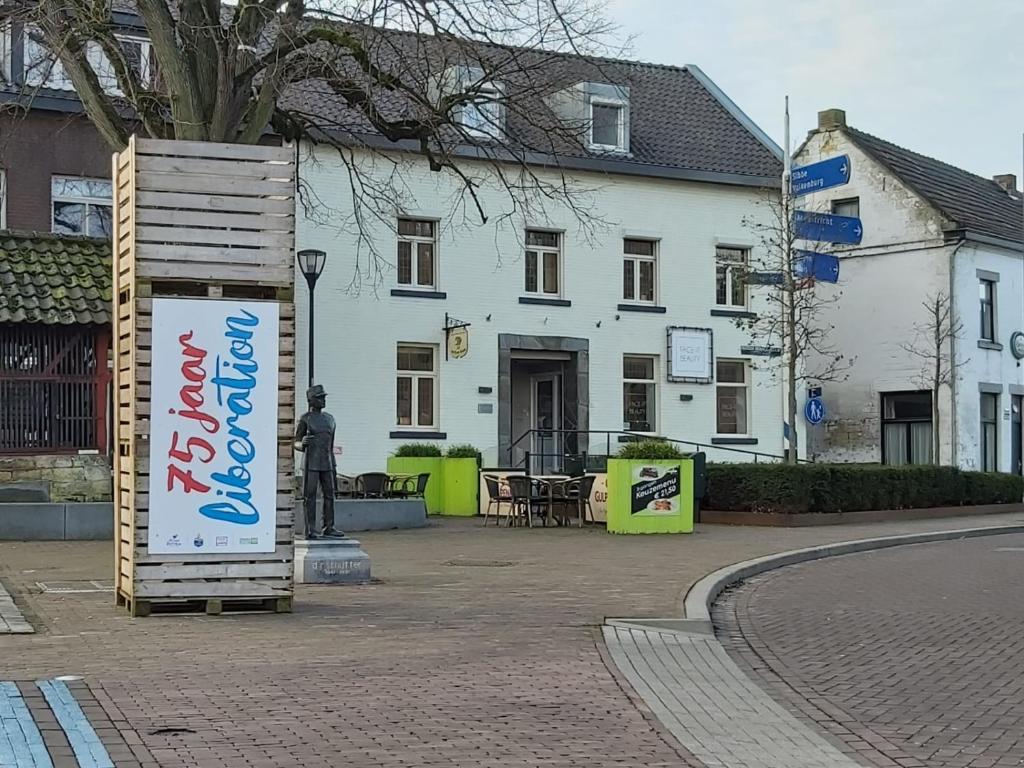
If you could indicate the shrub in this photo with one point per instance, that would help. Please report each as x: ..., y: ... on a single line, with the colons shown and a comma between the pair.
x: 464, y: 451
x: 852, y: 488
x: 418, y: 450
x: 650, y: 450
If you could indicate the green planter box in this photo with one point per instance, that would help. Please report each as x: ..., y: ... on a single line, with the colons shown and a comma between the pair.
x: 414, y: 465
x: 650, y: 496
x: 453, y: 486
x: 461, y: 487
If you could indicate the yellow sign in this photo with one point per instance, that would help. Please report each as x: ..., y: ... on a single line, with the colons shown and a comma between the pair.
x: 458, y: 342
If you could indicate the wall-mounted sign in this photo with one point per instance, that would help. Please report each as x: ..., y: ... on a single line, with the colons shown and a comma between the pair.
x: 1017, y: 345
x: 655, y: 490
x: 690, y: 354
x: 213, y: 431
x: 458, y: 342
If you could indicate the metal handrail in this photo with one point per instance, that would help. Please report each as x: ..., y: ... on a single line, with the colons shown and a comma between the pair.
x: 643, y: 436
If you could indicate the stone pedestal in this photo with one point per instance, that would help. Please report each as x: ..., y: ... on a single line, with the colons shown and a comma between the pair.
x: 331, y: 561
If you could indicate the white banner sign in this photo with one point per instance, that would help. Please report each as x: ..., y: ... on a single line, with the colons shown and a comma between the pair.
x: 213, y: 431
x: 690, y: 354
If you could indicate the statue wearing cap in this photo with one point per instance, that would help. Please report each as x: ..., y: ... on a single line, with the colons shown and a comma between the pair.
x: 315, y: 438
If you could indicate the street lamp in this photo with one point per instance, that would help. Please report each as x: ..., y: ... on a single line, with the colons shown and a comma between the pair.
x: 311, y: 262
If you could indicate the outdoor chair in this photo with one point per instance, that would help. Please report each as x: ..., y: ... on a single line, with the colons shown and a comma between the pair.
x: 521, y: 498
x: 372, y: 485
x: 344, y: 486
x: 404, y: 489
x: 495, y: 498
x: 579, y: 490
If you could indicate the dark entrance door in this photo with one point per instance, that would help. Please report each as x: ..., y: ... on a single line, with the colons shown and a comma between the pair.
x: 1015, y: 433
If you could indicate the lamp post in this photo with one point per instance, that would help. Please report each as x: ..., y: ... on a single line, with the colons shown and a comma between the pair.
x: 311, y: 262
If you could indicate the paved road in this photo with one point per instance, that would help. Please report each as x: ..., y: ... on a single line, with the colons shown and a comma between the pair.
x: 912, y: 656
x: 476, y: 647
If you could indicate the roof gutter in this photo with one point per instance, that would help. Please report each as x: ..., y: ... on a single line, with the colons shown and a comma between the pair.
x: 980, y: 237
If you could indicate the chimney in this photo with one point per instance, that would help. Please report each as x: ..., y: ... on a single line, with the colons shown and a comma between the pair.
x: 830, y: 119
x: 1007, y: 181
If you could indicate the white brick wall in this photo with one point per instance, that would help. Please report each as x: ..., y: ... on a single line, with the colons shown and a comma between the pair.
x: 481, y: 270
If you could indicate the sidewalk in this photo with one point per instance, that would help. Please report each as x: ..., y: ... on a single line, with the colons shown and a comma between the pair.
x: 477, y: 647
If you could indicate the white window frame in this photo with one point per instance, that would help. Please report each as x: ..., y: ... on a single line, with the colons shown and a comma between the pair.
x: 730, y: 275
x: 414, y: 240
x: 86, y: 201
x: 652, y: 411
x: 747, y: 390
x: 540, y: 251
x: 622, y: 106
x: 415, y: 376
x: 6, y: 42
x: 834, y: 204
x: 489, y: 99
x: 3, y: 198
x: 983, y: 282
x: 636, y: 259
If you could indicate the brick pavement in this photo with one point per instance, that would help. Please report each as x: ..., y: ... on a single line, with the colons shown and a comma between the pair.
x: 476, y: 647
x: 11, y: 620
x: 912, y: 656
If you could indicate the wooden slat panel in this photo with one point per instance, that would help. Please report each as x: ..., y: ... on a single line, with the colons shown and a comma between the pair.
x: 264, y: 588
x: 214, y: 571
x: 214, y: 202
x: 243, y: 152
x: 229, y: 273
x: 218, y: 239
x: 203, y: 166
x: 234, y: 221
x: 214, y: 185
x: 283, y: 553
x: 195, y: 255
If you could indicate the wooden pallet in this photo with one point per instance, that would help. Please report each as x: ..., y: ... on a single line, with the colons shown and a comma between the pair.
x: 139, y: 607
x: 194, y: 220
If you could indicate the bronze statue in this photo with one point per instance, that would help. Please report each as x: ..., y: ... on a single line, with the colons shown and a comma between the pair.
x: 315, y: 438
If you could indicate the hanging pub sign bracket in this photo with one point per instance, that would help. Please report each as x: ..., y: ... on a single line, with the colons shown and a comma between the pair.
x: 456, y: 337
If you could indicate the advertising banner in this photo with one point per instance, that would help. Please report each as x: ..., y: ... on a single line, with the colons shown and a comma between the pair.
x: 213, y: 431
x: 690, y: 354
x: 655, y: 490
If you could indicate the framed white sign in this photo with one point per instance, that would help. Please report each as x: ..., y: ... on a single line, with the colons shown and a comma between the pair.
x: 213, y: 430
x: 690, y: 354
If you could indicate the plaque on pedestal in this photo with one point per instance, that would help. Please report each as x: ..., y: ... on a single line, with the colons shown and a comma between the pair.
x: 331, y: 561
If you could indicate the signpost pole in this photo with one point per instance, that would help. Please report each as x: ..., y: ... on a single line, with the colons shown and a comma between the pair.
x: 788, y: 303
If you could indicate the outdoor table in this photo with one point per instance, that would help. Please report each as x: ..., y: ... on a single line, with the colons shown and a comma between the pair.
x: 550, y: 481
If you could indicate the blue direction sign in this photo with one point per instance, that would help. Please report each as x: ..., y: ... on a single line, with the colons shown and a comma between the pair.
x: 834, y: 172
x: 827, y: 227
x: 823, y: 267
x: 814, y: 410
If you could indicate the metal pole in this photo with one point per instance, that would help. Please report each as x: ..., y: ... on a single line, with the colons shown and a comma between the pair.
x: 788, y: 296
x: 312, y: 285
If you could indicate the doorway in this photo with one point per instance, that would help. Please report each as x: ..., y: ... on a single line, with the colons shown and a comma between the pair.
x: 1015, y: 434
x: 545, y: 420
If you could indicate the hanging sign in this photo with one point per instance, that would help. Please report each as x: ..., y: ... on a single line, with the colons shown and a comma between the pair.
x: 690, y: 354
x: 213, y: 431
x: 458, y: 342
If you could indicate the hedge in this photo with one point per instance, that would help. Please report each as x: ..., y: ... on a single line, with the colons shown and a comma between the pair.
x: 852, y: 488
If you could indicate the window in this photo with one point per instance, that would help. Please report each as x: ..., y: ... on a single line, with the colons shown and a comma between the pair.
x: 639, y: 270
x: 987, y: 295
x: 44, y: 70
x: 417, y: 266
x: 732, y: 397
x: 638, y: 394
x: 417, y: 386
x: 483, y: 116
x: 607, y: 124
x: 730, y: 276
x: 3, y: 199
x: 907, y: 428
x: 543, y: 254
x: 848, y: 207
x: 81, y: 206
x: 989, y: 435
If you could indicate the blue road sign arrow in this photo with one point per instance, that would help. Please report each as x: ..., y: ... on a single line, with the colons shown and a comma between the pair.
x: 827, y: 227
x: 823, y: 267
x: 834, y: 172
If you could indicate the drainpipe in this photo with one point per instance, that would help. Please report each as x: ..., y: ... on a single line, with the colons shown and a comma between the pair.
x: 952, y: 358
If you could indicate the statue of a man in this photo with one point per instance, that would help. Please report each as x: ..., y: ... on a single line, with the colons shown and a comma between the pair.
x: 315, y: 438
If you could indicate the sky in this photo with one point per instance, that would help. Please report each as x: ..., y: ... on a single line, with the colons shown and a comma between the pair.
x: 941, y: 77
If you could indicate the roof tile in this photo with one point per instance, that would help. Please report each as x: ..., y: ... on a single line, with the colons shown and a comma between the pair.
x: 53, y: 279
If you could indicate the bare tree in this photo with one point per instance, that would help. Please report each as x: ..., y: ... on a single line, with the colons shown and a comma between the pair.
x: 792, y: 326
x: 473, y: 86
x: 933, y: 346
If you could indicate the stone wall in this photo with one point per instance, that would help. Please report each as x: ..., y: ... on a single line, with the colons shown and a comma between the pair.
x: 72, y: 477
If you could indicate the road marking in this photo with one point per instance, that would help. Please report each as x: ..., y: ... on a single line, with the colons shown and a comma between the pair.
x: 1008, y: 549
x: 21, y: 743
x: 88, y: 748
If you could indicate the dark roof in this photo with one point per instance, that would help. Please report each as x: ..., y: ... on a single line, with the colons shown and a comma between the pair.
x: 971, y: 202
x: 54, y: 279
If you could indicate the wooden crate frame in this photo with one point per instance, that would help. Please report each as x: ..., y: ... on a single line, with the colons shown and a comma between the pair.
x: 209, y: 220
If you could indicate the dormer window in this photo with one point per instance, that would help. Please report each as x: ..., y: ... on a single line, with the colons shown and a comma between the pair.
x: 607, y: 125
x: 483, y: 116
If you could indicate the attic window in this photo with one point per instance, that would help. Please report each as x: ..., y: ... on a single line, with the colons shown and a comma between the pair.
x: 607, y: 124
x: 482, y: 117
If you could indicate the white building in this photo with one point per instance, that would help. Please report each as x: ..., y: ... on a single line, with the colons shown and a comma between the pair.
x: 565, y: 331
x: 929, y: 228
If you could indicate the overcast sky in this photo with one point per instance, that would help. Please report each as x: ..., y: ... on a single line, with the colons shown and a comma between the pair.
x: 942, y: 77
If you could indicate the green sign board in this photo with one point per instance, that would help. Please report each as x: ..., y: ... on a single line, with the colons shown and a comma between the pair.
x: 650, y: 496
